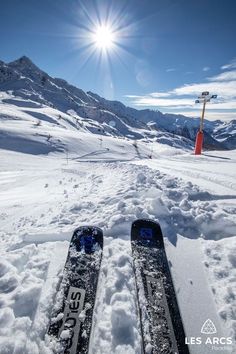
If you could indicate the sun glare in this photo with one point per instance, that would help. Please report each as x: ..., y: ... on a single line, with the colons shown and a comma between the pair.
x: 104, y: 37
x: 103, y: 33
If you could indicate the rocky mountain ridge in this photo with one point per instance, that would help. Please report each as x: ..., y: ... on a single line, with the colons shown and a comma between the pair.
x: 26, y: 81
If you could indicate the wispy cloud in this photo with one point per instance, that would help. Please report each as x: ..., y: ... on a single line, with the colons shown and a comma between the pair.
x: 160, y: 94
x: 162, y: 102
x: 182, y: 99
x: 152, y: 95
x: 231, y: 65
x: 225, y: 76
x: 226, y: 89
x: 170, y: 70
x: 206, y: 68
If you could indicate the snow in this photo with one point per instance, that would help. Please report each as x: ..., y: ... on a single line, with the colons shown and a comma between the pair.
x: 115, y: 319
x: 58, y: 172
x: 33, y: 90
x: 194, y: 292
x: 44, y: 199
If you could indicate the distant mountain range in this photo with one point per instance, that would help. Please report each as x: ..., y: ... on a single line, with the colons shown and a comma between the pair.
x: 29, y: 86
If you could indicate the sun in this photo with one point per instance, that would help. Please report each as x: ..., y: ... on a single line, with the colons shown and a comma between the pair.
x: 104, y: 37
x: 104, y: 34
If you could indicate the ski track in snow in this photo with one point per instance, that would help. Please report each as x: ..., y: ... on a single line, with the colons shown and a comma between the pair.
x: 44, y: 202
x: 220, y: 259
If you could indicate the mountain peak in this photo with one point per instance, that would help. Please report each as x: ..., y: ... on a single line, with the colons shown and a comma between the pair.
x: 24, y: 62
x: 25, y: 67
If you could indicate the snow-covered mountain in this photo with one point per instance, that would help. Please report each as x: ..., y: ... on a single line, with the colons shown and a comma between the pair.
x: 34, y: 92
x: 70, y: 158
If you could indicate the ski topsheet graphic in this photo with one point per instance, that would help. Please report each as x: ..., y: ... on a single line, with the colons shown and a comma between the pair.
x: 72, y: 321
x: 161, y: 325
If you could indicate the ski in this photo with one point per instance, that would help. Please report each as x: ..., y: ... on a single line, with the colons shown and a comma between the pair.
x: 161, y: 325
x: 72, y: 319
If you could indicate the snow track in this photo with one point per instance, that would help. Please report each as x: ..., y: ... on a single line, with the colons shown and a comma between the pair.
x: 214, y: 172
x: 47, y: 199
x: 115, y: 319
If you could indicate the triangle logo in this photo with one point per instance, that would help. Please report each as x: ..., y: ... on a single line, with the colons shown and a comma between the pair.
x: 208, y: 327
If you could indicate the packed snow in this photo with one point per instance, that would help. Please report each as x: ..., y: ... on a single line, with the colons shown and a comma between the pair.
x: 45, y: 197
x: 58, y: 172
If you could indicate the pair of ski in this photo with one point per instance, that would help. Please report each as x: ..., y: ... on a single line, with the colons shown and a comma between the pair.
x: 161, y: 325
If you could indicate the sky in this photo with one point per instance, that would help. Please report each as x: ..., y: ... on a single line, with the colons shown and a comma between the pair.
x: 162, y: 53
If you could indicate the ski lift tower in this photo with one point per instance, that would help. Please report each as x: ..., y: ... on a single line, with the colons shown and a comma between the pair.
x: 204, y: 98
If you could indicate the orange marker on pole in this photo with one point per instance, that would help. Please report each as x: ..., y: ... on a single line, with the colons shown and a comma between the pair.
x: 205, y: 97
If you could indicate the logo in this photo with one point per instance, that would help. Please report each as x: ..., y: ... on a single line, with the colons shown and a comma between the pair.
x: 208, y: 327
x: 73, y: 308
x: 209, y: 338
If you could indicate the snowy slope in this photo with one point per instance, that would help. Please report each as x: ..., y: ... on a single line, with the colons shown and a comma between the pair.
x: 227, y: 133
x: 60, y: 169
x: 30, y: 86
x: 176, y: 124
x: 29, y: 126
x: 45, y: 197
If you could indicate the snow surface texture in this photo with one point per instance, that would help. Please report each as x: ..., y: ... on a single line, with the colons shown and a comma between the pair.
x: 44, y: 199
x: 70, y: 159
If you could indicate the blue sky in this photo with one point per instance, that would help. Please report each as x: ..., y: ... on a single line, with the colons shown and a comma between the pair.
x: 164, y: 54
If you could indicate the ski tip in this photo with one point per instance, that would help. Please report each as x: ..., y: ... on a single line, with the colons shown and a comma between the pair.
x: 86, y: 237
x: 88, y: 229
x: 147, y: 232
